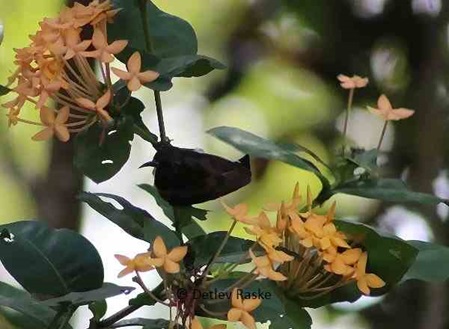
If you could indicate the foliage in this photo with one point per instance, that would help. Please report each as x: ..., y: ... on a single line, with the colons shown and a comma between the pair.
x: 305, y: 259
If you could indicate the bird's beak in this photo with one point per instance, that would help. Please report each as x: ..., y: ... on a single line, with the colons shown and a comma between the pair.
x: 149, y: 164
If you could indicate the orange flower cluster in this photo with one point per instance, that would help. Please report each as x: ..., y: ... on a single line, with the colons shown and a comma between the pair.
x: 55, y: 66
x: 305, y: 249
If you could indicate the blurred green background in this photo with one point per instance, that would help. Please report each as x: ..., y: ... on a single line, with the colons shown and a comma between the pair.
x: 283, y: 58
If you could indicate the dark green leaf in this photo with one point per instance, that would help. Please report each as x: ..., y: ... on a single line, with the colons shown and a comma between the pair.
x: 183, y: 215
x: 100, y: 153
x: 258, y: 147
x: 187, y: 66
x: 431, y: 264
x: 98, y: 309
x: 364, y: 159
x: 203, y: 248
x: 386, y: 189
x: 62, y: 261
x: 81, y: 298
x: 144, y: 323
x: 4, y: 90
x: 133, y: 220
x: 133, y: 108
x: 31, y: 310
x: 170, y: 36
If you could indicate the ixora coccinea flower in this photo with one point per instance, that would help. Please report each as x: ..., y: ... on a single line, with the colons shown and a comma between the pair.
x: 386, y: 111
x: 55, y: 67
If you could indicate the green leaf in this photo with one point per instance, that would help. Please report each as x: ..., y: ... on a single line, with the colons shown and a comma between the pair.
x: 132, y: 107
x: 173, y: 41
x: 82, y: 298
x: 258, y: 147
x: 386, y: 189
x: 203, y: 248
x: 133, y: 220
x: 62, y: 261
x: 182, y: 215
x: 98, y: 309
x: 388, y: 256
x: 33, y: 312
x: 186, y: 66
x: 278, y: 309
x: 4, y: 90
x: 145, y: 323
x: 431, y: 264
x: 170, y: 36
x: 364, y: 159
x: 100, y: 153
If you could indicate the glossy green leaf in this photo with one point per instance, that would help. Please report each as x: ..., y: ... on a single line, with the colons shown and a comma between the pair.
x: 386, y: 189
x: 187, y: 66
x: 173, y: 41
x: 170, y: 36
x: 133, y: 220
x: 203, y: 248
x: 4, y: 90
x: 259, y: 147
x: 431, y: 264
x: 182, y: 215
x: 132, y: 107
x: 100, y: 153
x: 98, y: 309
x: 31, y: 311
x: 364, y: 159
x: 82, y: 298
x: 62, y: 261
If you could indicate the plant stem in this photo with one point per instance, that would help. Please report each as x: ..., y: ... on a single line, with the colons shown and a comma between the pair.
x: 382, y: 135
x: 139, y: 281
x: 118, y: 316
x: 220, y: 249
x: 160, y: 116
x: 148, y: 46
x: 348, y: 111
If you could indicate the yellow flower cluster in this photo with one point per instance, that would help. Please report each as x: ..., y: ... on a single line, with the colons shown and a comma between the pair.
x: 56, y: 66
x: 305, y: 249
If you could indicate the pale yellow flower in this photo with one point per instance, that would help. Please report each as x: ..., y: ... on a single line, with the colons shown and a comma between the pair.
x: 168, y: 260
x: 134, y: 77
x: 342, y: 263
x: 265, y: 267
x: 140, y: 263
x: 241, y: 309
x: 239, y: 213
x: 386, y: 111
x: 99, y: 106
x: 56, y: 125
x: 352, y: 82
x: 365, y: 281
x: 104, y: 51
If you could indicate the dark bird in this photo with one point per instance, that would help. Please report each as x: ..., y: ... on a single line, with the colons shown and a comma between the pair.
x: 185, y: 176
